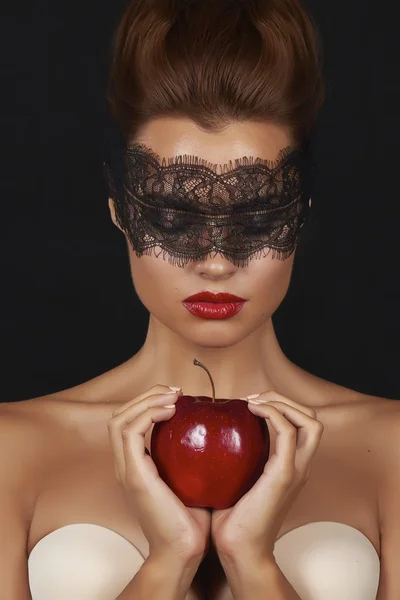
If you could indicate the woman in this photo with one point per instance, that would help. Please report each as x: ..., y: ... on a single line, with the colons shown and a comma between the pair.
x: 216, y: 101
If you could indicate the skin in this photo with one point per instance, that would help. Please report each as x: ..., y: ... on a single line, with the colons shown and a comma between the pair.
x: 351, y: 480
x: 242, y: 353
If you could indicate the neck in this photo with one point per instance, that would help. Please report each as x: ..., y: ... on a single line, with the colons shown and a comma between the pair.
x: 253, y: 365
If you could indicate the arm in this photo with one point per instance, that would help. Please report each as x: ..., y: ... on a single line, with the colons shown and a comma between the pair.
x: 22, y: 455
x: 249, y: 580
x: 245, y: 534
x: 389, y: 509
x: 16, y: 501
x: 164, y: 578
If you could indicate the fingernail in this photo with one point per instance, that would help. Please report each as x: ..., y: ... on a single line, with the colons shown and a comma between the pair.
x: 169, y: 406
x: 252, y: 396
x: 254, y: 402
x: 174, y: 389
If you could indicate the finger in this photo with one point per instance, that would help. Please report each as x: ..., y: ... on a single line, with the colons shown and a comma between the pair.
x: 272, y: 396
x: 285, y: 444
x: 154, y: 390
x: 297, y: 418
x: 121, y: 420
x: 136, y: 462
x: 153, y: 500
x: 309, y: 431
x: 118, y: 423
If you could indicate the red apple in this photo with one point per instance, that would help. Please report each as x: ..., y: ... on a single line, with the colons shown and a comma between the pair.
x: 212, y: 451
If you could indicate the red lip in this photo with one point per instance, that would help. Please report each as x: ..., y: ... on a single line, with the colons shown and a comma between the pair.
x: 214, y: 310
x: 219, y: 298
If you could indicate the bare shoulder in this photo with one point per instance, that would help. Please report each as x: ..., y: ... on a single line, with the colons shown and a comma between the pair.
x: 19, y: 425
x: 366, y: 429
x: 382, y: 414
x: 382, y: 409
x: 57, y: 426
x: 23, y: 426
x: 385, y: 425
x: 27, y: 419
x: 23, y: 454
x: 353, y: 407
x: 375, y: 421
x: 31, y: 431
x: 54, y: 424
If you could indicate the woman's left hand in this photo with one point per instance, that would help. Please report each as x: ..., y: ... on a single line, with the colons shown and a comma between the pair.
x: 251, y: 526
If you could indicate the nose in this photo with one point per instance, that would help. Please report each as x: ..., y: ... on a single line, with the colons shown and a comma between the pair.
x: 214, y: 267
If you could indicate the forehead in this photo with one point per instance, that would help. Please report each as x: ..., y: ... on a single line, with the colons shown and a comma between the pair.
x: 169, y: 137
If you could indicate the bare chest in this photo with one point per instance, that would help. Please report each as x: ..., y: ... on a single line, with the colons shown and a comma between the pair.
x: 82, y: 489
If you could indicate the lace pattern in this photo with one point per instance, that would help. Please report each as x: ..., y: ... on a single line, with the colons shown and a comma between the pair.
x: 184, y: 208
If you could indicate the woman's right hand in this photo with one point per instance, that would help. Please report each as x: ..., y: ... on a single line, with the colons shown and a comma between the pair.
x: 170, y: 527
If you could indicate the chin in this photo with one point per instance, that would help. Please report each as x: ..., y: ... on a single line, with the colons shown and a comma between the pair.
x: 217, y: 335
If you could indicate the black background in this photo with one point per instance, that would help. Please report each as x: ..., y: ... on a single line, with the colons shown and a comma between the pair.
x: 68, y: 309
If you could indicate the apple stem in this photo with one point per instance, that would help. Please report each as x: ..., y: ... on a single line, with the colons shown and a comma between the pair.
x: 199, y: 364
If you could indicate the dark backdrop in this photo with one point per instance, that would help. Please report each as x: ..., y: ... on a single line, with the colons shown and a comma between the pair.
x: 68, y: 309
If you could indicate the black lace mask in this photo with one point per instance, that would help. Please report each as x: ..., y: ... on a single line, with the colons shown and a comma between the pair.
x: 184, y: 208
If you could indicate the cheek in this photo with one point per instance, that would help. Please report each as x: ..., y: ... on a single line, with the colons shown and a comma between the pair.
x: 272, y: 281
x: 153, y: 279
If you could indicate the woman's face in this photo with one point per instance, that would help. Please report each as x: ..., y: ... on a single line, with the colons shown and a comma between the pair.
x: 162, y: 287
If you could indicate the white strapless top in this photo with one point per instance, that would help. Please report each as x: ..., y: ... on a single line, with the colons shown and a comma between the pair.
x: 322, y: 561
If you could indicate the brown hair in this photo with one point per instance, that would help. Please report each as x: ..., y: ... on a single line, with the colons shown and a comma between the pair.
x: 216, y: 61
